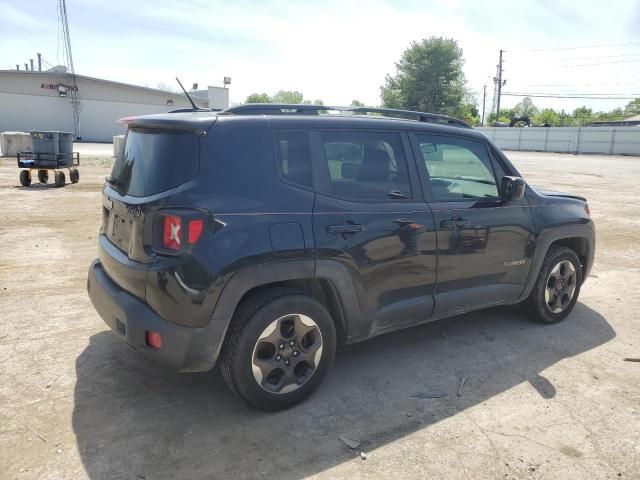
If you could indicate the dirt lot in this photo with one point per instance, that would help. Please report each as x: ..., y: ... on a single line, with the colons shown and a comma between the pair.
x: 539, y: 402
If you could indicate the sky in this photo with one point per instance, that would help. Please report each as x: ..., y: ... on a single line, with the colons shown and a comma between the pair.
x: 336, y: 50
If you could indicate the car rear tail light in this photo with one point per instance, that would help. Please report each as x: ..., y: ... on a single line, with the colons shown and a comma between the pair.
x: 172, y: 232
x: 195, y: 230
x: 154, y: 339
x: 176, y: 230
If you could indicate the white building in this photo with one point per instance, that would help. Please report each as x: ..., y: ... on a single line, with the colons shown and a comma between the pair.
x: 34, y: 100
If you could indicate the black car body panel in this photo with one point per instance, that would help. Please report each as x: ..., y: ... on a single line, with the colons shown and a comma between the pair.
x: 393, y: 260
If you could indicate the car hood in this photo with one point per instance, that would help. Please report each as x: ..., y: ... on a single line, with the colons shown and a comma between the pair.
x: 552, y: 193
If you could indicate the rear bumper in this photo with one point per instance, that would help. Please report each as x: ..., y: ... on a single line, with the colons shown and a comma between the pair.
x: 185, y: 349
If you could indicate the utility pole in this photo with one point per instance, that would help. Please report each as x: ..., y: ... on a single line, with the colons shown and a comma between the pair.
x: 39, y: 62
x: 499, y: 85
x: 31, y: 61
x: 484, y: 102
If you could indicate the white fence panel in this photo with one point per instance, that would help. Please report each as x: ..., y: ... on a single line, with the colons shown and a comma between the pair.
x: 601, y: 140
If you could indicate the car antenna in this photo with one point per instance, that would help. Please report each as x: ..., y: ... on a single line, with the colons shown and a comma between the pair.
x: 195, y: 109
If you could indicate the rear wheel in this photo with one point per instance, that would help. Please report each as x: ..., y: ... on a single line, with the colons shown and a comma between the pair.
x: 25, y: 178
x: 43, y: 176
x: 557, y: 288
x: 279, y: 348
x: 60, y: 179
x: 74, y: 175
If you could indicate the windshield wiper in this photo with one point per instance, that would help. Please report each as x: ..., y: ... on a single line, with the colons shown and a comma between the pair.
x: 113, y: 181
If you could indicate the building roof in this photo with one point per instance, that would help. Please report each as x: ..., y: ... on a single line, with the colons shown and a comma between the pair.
x: 58, y: 74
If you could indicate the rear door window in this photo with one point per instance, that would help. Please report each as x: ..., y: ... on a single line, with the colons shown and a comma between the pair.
x: 362, y: 166
x: 155, y: 160
x: 293, y: 156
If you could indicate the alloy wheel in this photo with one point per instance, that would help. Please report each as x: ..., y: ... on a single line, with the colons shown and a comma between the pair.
x: 287, y: 353
x: 561, y: 285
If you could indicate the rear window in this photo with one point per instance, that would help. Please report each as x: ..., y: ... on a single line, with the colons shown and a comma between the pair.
x: 153, y: 161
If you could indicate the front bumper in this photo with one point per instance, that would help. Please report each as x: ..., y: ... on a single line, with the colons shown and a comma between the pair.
x: 185, y: 349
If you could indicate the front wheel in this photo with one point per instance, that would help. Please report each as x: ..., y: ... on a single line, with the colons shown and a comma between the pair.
x: 25, y: 178
x: 279, y: 348
x: 556, y: 290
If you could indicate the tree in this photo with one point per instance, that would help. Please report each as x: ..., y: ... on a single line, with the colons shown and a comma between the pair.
x: 165, y: 87
x: 525, y: 108
x: 583, y: 115
x: 317, y: 101
x: 633, y: 107
x: 287, y: 96
x: 258, y: 98
x: 356, y: 103
x: 548, y: 116
x: 428, y: 78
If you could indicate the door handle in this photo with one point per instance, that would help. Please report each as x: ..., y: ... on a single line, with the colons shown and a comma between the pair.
x: 345, y: 228
x: 455, y: 223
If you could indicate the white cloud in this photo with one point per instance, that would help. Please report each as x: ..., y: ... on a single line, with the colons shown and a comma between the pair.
x: 334, y: 50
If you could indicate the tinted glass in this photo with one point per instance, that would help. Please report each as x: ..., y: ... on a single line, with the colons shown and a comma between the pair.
x: 153, y: 161
x: 362, y: 165
x: 293, y: 156
x: 457, y: 168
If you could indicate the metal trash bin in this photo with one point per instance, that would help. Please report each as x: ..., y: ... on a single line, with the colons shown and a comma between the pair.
x: 65, y: 146
x: 47, y: 145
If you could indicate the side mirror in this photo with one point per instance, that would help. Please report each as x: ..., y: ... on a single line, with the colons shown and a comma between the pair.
x: 350, y: 170
x: 428, y: 148
x: 512, y: 188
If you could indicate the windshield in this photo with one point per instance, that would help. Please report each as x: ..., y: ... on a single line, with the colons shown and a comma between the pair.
x: 154, y: 161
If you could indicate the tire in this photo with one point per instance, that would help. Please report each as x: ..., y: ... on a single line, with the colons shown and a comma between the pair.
x: 25, y: 178
x: 60, y: 179
x: 555, y: 275
x: 43, y: 176
x: 74, y: 175
x: 266, y: 332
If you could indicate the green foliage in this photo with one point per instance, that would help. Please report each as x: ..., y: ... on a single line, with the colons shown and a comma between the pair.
x: 429, y: 78
x: 357, y: 103
x: 633, y: 107
x: 583, y: 115
x: 525, y: 108
x: 258, y: 98
x: 287, y: 96
x: 281, y: 96
x: 548, y: 116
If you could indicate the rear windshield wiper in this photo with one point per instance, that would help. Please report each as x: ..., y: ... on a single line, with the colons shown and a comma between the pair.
x: 113, y: 181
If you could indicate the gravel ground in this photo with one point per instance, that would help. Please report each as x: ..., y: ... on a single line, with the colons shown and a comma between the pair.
x: 538, y: 402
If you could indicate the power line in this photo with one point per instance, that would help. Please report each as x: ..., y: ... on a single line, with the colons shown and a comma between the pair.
x: 549, y: 63
x: 580, y: 47
x: 552, y: 95
x: 576, y: 84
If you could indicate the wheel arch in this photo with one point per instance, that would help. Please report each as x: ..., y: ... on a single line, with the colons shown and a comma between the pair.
x: 330, y: 286
x: 580, y: 238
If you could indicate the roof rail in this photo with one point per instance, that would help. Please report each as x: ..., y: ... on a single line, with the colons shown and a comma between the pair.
x: 303, y: 109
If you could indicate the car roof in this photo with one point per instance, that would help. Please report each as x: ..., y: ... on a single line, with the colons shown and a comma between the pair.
x: 201, y: 121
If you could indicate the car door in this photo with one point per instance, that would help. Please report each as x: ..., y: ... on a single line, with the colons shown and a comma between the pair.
x: 484, y: 245
x: 370, y: 217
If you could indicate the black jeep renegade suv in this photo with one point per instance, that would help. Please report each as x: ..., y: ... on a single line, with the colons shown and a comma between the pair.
x: 262, y: 236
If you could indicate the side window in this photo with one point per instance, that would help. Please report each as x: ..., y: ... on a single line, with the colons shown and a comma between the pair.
x: 293, y: 156
x: 457, y: 168
x: 361, y: 165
